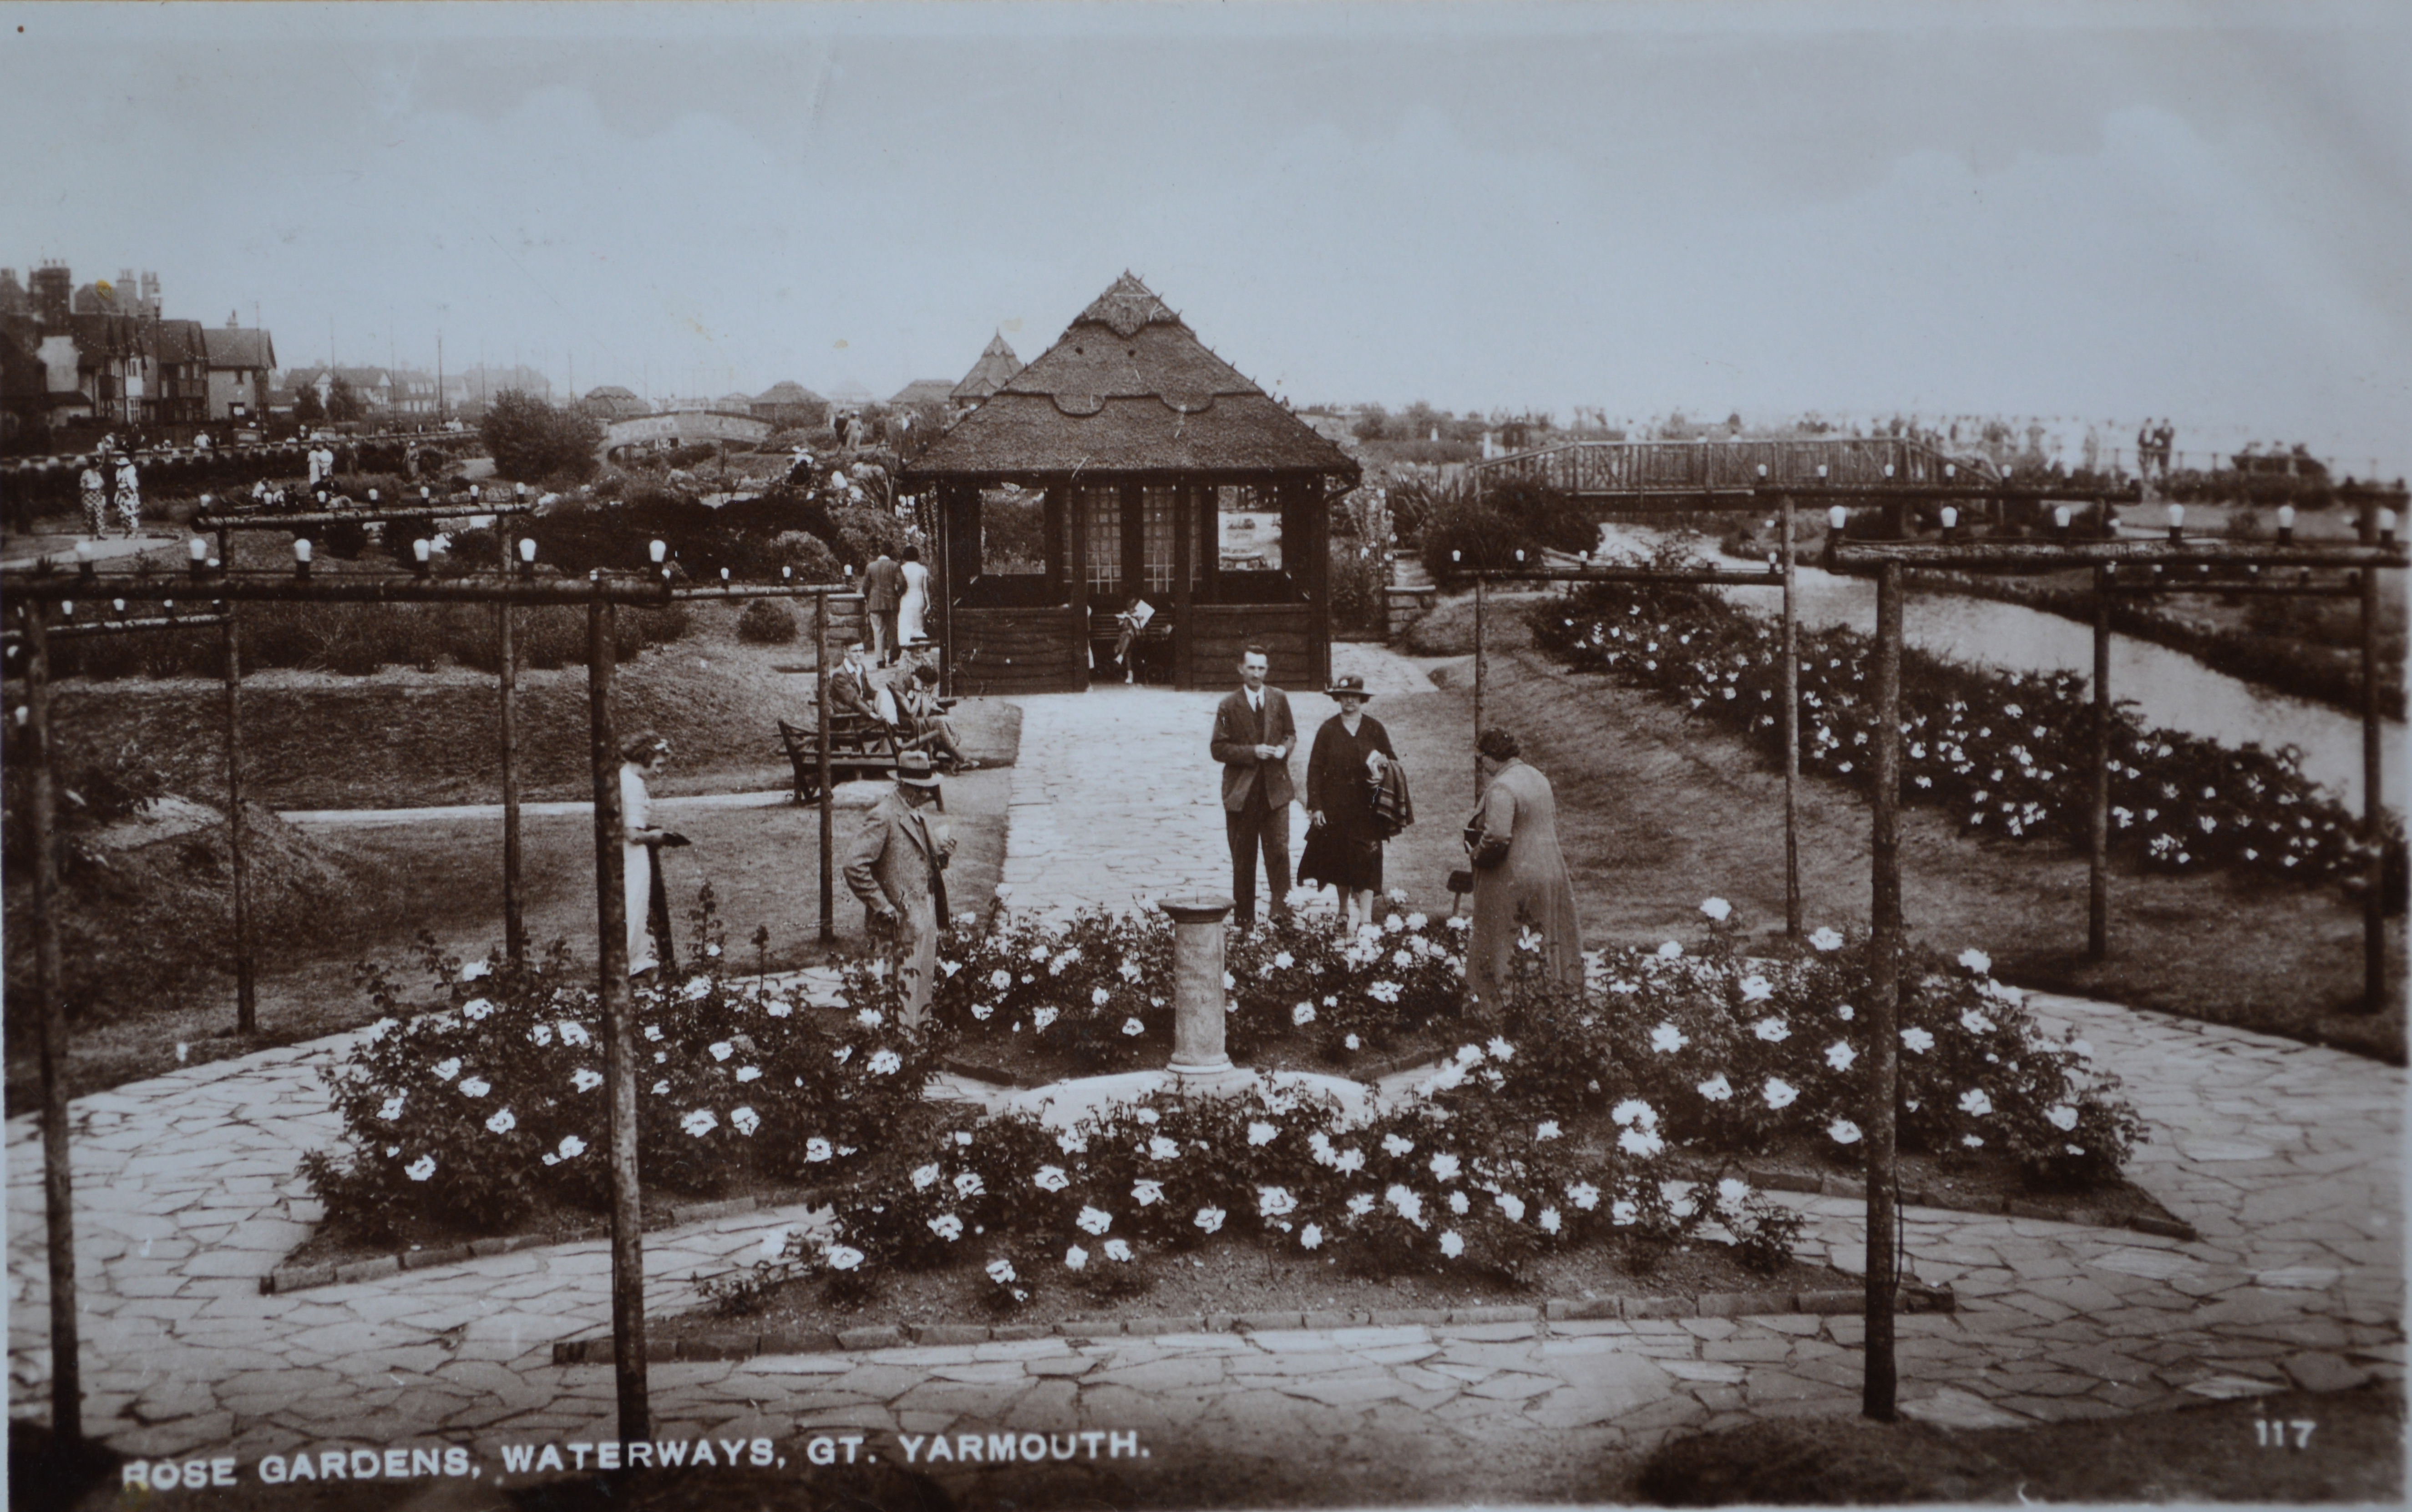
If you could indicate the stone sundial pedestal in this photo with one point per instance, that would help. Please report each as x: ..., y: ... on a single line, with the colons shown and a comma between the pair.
x: 1201, y: 1066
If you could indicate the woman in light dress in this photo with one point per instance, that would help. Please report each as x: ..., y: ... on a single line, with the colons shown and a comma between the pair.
x: 914, y: 608
x: 644, y: 755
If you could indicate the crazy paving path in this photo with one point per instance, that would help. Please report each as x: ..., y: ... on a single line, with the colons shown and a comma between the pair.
x: 2285, y: 1157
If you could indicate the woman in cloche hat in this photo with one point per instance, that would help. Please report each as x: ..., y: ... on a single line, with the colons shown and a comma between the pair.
x: 1344, y: 843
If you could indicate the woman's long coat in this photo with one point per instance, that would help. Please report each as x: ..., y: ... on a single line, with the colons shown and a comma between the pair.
x: 1519, y: 808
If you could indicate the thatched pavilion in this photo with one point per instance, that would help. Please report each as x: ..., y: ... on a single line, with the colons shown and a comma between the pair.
x: 1156, y: 459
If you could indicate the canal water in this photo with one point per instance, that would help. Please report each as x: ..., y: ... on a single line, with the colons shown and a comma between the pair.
x: 2168, y: 688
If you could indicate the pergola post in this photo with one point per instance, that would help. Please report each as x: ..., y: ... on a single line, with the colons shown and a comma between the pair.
x: 821, y: 715
x: 619, y: 1030
x: 2097, y: 822
x: 58, y: 1183
x: 1791, y: 738
x: 514, y: 919
x: 1884, y: 1008
x: 246, y: 989
x: 2373, y: 816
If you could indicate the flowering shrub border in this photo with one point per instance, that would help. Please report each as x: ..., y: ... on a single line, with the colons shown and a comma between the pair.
x: 1096, y: 989
x: 1708, y: 1053
x: 472, y: 1116
x: 2007, y: 752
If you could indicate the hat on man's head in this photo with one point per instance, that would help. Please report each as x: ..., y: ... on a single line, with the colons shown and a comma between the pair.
x: 913, y: 770
x: 1348, y: 683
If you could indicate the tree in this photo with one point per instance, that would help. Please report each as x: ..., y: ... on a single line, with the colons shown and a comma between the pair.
x: 344, y: 401
x: 306, y: 407
x: 532, y: 441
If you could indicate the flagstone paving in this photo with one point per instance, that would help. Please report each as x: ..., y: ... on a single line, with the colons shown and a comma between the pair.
x: 2285, y: 1157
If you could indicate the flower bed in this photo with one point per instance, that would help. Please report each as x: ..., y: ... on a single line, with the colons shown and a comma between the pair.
x: 1093, y: 995
x: 1567, y: 1123
x: 1616, y: 1117
x: 471, y: 1119
x: 2007, y: 752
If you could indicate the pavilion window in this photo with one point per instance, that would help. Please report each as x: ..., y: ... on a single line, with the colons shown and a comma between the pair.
x: 1248, y: 529
x: 1155, y: 542
x: 1101, y: 512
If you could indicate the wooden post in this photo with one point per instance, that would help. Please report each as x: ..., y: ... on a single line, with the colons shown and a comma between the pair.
x: 2374, y: 830
x: 514, y: 915
x: 1884, y: 1011
x: 58, y: 1183
x: 2097, y: 822
x: 1185, y: 557
x: 619, y: 1030
x: 821, y: 708
x: 1478, y: 659
x: 1792, y: 739
x: 246, y: 989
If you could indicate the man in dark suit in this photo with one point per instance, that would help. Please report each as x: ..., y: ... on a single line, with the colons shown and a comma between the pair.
x: 883, y: 589
x: 1253, y: 737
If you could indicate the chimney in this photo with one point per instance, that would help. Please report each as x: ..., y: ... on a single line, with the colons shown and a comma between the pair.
x: 151, y: 301
x: 53, y: 289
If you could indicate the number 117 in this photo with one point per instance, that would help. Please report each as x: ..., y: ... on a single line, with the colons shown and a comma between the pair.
x: 2271, y: 1434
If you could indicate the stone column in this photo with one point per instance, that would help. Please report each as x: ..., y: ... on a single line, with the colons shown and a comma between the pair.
x: 1200, y: 1062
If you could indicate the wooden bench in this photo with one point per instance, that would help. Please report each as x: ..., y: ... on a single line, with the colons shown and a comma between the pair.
x: 860, y: 747
x: 1151, y: 651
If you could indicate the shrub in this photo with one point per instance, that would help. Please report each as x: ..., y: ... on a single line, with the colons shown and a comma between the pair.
x: 767, y: 621
x: 1358, y: 584
x: 532, y: 441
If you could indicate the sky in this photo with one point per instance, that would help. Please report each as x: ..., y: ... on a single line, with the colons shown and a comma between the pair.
x: 2100, y: 212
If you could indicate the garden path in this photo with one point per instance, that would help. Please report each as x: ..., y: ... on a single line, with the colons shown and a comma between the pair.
x: 2285, y: 1157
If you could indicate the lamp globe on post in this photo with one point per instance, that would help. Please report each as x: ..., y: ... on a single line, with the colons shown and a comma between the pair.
x: 2285, y: 523
x: 422, y: 554
x: 302, y: 551
x: 527, y: 556
x: 2176, y: 521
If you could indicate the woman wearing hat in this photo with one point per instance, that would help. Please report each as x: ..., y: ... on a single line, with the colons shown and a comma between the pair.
x: 1344, y: 844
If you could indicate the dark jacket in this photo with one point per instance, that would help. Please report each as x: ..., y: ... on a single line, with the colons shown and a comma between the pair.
x: 1236, y: 734
x: 1393, y: 810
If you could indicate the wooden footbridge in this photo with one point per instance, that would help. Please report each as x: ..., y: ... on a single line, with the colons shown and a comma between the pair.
x: 1714, y: 472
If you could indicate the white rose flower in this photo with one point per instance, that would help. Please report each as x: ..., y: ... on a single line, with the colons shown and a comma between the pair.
x: 1549, y: 1130
x: 2061, y: 1117
x: 1918, y: 1040
x: 1774, y: 1030
x: 1643, y: 1143
x: 1444, y: 1168
x: 1757, y: 990
x: 749, y: 1073
x: 1780, y: 1093
x: 1510, y: 1204
x: 1261, y: 1132
x: 503, y: 1121
x: 572, y: 1147
x: 1311, y: 1236
x: 421, y: 1168
x: 1397, y: 1145
x: 1119, y: 1249
x: 1051, y: 1179
x: 1974, y: 1103
x: 817, y: 1149
x: 1451, y: 1245
x: 722, y: 1050
x: 573, y: 1033
x: 925, y: 1177
x: 1843, y: 1131
x: 1072, y: 1142
x: 969, y: 1184
x: 1583, y: 1195
x: 1717, y: 909
x: 476, y: 1008
x: 1075, y: 1257
x: 1405, y: 1202
x: 885, y: 1063
x: 1671, y: 951
x: 1302, y: 1014
x: 475, y: 1086
x: 1160, y: 1148
x: 1147, y: 1194
x: 1273, y: 1201
x: 844, y: 1257
x: 1040, y: 1019
x: 1826, y: 939
x: 1976, y: 961
x: 745, y: 1121
x: 1716, y: 1089
x: 1840, y: 1055
x: 1666, y: 1039
x: 1550, y: 1221
x: 1000, y: 979
x: 1100, y: 997
x: 446, y: 1069
x: 1209, y: 1219
x: 1635, y: 1113
x: 700, y: 1122
x: 391, y: 1107
x: 947, y: 1226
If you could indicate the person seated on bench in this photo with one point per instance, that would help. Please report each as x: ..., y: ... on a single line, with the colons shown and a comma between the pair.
x: 1131, y: 621
x: 856, y: 688
x: 932, y: 730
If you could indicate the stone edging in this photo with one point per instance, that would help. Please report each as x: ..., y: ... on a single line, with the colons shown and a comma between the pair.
x: 1913, y: 1196
x: 1824, y: 1302
x: 293, y: 1278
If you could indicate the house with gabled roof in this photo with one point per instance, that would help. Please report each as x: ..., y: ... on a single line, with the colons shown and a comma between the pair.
x: 1143, y: 444
x: 241, y: 359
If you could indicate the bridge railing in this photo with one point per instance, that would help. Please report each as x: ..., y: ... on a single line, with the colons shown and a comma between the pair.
x: 1676, y: 467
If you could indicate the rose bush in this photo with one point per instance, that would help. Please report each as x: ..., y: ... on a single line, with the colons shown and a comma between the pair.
x: 470, y: 1116
x: 2008, y: 752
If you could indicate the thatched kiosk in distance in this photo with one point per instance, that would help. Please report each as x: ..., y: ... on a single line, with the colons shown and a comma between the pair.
x: 1167, y: 477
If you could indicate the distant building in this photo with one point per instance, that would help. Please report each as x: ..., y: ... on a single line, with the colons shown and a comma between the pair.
x: 240, y: 363
x: 920, y: 392
x: 789, y: 406
x: 104, y: 354
x: 993, y: 371
x: 613, y: 402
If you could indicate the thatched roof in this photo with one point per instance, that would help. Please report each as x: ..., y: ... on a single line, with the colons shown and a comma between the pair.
x: 993, y: 371
x: 922, y: 391
x: 1128, y: 389
x: 788, y: 392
